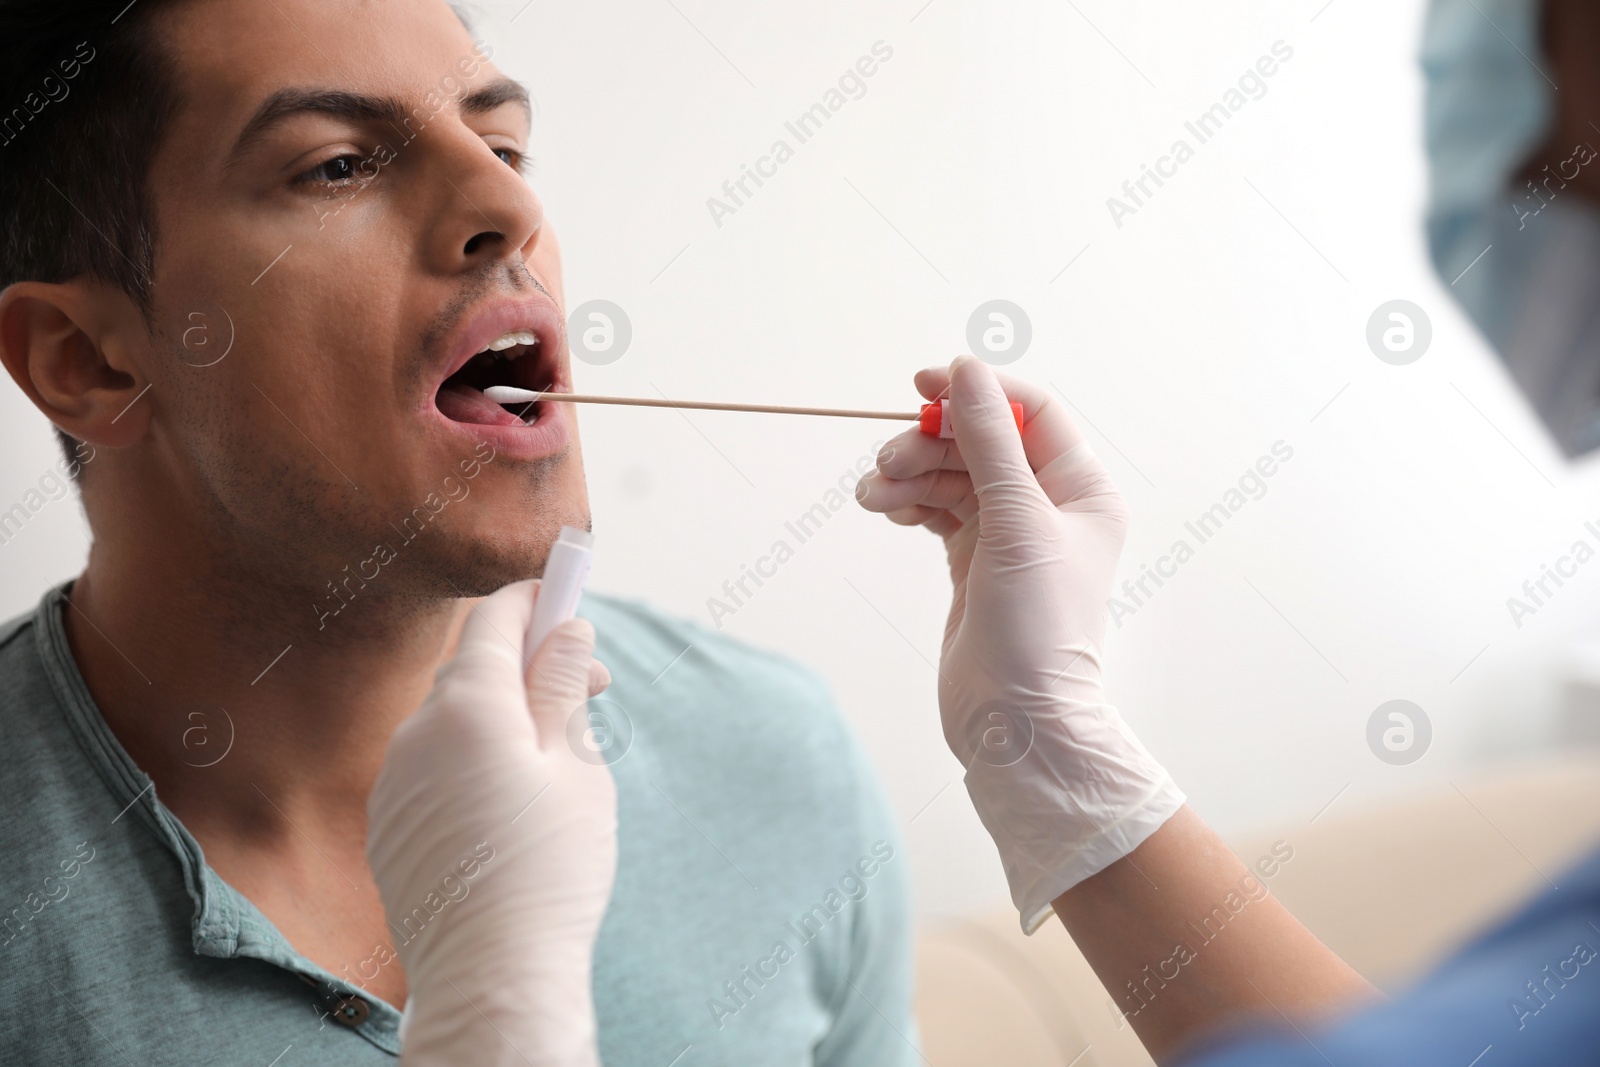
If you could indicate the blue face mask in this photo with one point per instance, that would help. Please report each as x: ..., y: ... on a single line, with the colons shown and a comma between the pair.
x: 1523, y: 258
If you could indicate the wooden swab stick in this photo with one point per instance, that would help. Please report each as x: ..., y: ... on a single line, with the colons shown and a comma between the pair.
x: 933, y: 419
x: 509, y: 394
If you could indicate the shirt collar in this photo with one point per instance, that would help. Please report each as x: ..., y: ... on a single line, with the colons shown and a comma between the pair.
x: 224, y: 923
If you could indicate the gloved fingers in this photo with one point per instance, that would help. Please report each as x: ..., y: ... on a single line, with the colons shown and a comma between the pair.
x: 987, y: 432
x: 1047, y: 428
x: 938, y: 520
x: 599, y: 678
x: 1074, y: 476
x: 914, y: 452
x: 913, y: 516
x: 558, y: 679
x: 950, y: 490
x: 452, y: 641
x: 493, y: 632
x: 945, y: 524
x: 932, y: 382
x: 478, y: 693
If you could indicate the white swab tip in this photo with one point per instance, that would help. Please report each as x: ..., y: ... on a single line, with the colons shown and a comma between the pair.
x: 510, y: 394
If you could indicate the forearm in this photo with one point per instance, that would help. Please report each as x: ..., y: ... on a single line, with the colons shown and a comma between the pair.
x: 1186, y: 937
x: 1069, y: 794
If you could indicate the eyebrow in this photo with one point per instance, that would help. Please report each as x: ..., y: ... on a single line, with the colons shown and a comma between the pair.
x: 500, y: 91
x: 359, y: 107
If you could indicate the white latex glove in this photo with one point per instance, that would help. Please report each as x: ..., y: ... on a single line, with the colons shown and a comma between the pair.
x: 485, y: 819
x: 1032, y: 533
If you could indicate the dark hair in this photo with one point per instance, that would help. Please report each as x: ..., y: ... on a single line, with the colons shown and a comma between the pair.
x: 86, y: 94
x: 85, y: 98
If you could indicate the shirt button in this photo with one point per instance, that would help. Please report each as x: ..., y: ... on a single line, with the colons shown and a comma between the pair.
x: 351, y: 1011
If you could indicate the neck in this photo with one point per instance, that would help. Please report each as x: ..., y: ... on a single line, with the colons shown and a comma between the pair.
x: 223, y: 688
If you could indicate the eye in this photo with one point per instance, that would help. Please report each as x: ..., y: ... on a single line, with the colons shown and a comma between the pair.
x: 334, y: 173
x: 513, y: 159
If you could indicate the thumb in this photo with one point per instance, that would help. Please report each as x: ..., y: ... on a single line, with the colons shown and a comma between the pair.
x: 986, y: 429
x: 558, y: 679
x: 491, y: 636
x: 483, y: 681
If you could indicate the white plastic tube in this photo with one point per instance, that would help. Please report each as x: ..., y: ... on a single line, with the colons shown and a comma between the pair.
x: 561, y: 587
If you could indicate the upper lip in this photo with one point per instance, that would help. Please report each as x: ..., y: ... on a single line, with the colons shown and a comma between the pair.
x: 537, y: 314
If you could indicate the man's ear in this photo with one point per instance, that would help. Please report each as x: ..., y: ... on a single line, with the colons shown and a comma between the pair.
x: 68, y: 346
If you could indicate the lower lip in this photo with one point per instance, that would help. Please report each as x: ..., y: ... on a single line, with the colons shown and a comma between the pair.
x: 544, y: 436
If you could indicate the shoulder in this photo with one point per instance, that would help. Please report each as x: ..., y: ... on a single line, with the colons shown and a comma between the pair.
x: 15, y: 633
x: 42, y: 763
x: 726, y: 721
x: 637, y: 635
x: 664, y: 662
x: 56, y: 776
x: 24, y: 686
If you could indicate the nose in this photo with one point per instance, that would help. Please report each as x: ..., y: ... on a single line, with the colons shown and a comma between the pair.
x: 486, y: 210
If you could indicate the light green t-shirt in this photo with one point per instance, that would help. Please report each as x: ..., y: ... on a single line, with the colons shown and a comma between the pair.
x: 760, y: 916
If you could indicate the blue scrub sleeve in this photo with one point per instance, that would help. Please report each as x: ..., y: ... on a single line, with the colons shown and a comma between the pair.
x: 1527, y: 993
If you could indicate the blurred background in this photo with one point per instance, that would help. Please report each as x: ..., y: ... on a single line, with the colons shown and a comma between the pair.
x: 1225, y: 314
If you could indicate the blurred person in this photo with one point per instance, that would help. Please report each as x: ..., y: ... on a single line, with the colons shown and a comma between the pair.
x: 259, y: 258
x: 1514, y: 181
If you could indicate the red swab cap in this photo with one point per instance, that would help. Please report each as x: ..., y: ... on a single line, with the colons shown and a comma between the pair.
x: 935, y: 421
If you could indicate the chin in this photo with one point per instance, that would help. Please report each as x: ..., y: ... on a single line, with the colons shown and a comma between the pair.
x: 473, y: 568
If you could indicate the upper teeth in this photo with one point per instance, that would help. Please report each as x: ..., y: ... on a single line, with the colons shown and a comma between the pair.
x: 509, y: 340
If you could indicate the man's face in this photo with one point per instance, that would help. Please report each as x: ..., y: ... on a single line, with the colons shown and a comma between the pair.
x: 360, y: 242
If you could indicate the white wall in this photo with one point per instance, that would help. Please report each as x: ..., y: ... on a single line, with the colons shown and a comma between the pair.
x: 1204, y: 329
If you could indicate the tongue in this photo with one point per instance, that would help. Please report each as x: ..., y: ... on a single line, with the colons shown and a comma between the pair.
x: 462, y: 403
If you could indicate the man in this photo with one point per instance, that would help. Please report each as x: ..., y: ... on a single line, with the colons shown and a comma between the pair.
x: 260, y: 259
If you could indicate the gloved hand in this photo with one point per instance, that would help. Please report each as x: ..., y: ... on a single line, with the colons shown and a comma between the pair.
x: 494, y: 848
x: 1032, y: 528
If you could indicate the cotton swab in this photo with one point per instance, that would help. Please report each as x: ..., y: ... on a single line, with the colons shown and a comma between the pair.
x: 510, y: 394
x: 933, y: 418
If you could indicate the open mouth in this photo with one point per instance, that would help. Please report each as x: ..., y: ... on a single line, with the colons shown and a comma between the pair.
x: 515, y: 358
